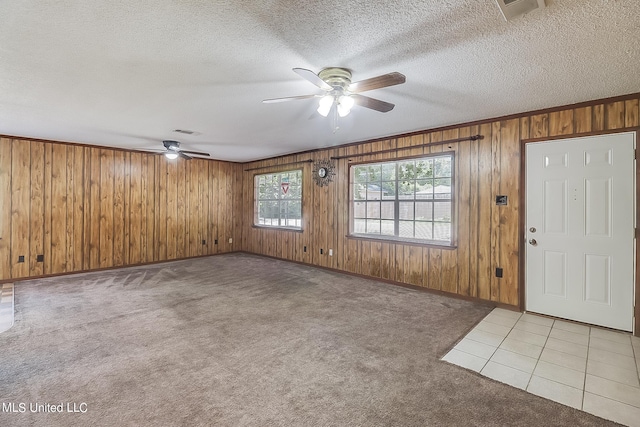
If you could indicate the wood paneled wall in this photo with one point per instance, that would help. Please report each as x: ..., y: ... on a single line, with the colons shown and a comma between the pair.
x: 86, y: 208
x: 488, y: 236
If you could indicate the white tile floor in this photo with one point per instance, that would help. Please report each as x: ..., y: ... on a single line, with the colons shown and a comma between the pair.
x: 588, y: 368
x: 6, y: 306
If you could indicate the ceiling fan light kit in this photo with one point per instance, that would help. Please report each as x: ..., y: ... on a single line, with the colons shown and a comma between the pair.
x: 345, y: 103
x: 339, y: 91
x: 325, y: 104
x: 173, y: 151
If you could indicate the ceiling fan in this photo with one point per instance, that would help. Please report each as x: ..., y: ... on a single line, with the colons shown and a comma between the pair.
x: 341, y: 92
x: 172, y: 151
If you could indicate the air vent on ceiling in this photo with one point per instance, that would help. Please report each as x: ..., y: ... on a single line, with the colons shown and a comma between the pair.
x: 513, y: 8
x: 189, y: 132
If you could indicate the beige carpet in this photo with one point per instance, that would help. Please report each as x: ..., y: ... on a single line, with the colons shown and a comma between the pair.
x: 237, y: 340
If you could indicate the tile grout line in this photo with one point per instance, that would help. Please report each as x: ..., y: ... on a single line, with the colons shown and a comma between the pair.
x: 494, y: 351
x: 635, y: 357
x: 584, y: 382
x: 540, y: 355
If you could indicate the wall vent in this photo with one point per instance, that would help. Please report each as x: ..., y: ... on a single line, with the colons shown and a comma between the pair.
x: 514, y: 8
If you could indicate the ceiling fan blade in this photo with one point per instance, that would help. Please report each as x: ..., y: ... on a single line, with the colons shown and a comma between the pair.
x: 384, y: 80
x: 195, y: 153
x: 184, y: 156
x: 290, y: 98
x: 313, y: 78
x: 372, y: 103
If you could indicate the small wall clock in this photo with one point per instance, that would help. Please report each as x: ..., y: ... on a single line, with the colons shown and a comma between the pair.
x: 323, y: 172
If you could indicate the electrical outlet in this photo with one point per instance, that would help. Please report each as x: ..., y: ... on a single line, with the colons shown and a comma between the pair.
x: 20, y: 258
x: 330, y: 252
x: 204, y: 242
x: 304, y: 249
x: 215, y: 242
x: 321, y: 251
x: 498, y: 272
x: 230, y: 240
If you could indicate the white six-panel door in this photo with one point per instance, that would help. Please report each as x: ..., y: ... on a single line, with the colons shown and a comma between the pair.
x: 580, y: 229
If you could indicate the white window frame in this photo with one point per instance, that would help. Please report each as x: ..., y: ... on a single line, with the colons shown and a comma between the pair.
x: 369, y: 194
x: 283, y: 200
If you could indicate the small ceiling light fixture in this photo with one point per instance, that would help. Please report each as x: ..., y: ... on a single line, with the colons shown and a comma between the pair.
x: 325, y: 104
x: 171, y: 155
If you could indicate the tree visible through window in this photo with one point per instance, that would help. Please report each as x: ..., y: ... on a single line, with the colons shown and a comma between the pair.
x: 407, y: 199
x: 278, y: 199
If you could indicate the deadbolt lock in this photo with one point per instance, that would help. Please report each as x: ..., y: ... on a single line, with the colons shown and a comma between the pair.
x: 532, y: 229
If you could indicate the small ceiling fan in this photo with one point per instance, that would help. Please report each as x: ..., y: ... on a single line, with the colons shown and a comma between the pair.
x: 173, y: 151
x: 339, y: 91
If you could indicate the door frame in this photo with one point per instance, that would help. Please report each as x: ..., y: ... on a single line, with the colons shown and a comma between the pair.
x: 522, y: 215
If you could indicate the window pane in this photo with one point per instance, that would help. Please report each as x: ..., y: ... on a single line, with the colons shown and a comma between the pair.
x: 424, y: 230
x: 424, y: 211
x: 374, y: 192
x: 388, y: 190
x: 359, y: 191
x: 359, y: 210
x: 424, y: 169
x: 375, y: 173
x: 360, y: 174
x: 442, y: 189
x: 442, y: 211
x: 359, y: 226
x: 406, y: 210
x: 441, y: 231
x: 442, y: 167
x: 406, y: 189
x: 387, y: 228
x: 406, y: 228
x: 373, y: 210
x: 389, y: 172
x: 386, y: 210
x: 424, y: 189
x: 406, y: 170
x: 373, y: 226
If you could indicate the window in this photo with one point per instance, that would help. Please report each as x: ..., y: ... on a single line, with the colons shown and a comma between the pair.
x: 407, y: 200
x: 278, y: 199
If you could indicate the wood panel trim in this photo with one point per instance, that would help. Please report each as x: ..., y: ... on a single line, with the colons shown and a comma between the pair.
x: 105, y: 147
x: 279, y: 165
x: 410, y: 147
x: 580, y: 135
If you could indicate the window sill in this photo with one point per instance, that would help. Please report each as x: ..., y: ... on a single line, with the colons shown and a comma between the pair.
x: 401, y: 241
x: 277, y: 227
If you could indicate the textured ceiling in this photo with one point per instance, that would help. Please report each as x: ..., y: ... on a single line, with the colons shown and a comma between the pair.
x: 127, y: 73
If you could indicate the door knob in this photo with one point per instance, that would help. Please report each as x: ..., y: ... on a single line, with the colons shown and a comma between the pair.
x: 533, y: 242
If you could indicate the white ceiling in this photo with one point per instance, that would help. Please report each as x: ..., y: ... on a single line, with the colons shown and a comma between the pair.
x: 127, y: 73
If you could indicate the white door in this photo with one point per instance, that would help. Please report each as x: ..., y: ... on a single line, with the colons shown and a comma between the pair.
x: 580, y: 229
